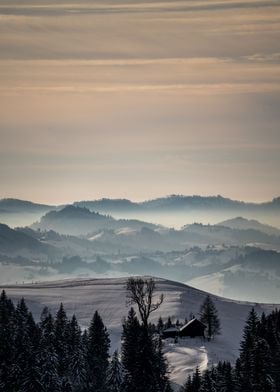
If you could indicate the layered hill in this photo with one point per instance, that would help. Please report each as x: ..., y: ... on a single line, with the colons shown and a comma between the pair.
x: 241, y: 223
x: 80, y: 221
x: 174, y: 210
x: 15, y: 242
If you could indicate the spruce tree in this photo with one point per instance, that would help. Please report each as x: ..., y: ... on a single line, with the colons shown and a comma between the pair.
x: 196, y: 380
x: 160, y: 366
x: 262, y: 380
x: 98, y: 354
x: 168, y: 324
x: 246, y: 351
x: 31, y: 380
x: 130, y: 344
x: 48, y: 359
x: 22, y: 345
x: 61, y: 332
x: 7, y: 314
x: 188, y: 385
x: 77, y: 357
x: 208, y: 383
x: 50, y: 378
x: 160, y: 325
x: 209, y: 317
x: 115, y: 374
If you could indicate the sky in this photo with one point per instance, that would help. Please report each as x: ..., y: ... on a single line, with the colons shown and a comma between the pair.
x: 137, y: 99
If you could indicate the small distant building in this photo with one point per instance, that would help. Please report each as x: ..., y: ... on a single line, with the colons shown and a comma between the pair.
x: 192, y: 329
x: 171, y: 332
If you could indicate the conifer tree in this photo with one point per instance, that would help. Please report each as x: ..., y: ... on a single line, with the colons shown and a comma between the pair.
x: 115, y: 374
x: 160, y: 367
x: 209, y: 317
x: 48, y: 359
x: 246, y: 350
x: 98, y: 354
x: 22, y: 344
x: 207, y: 382
x: 196, y: 380
x: 50, y: 378
x: 168, y: 324
x: 77, y: 364
x: 7, y: 314
x: 130, y: 344
x: 160, y: 325
x: 262, y: 380
x: 188, y: 385
x: 61, y: 331
x: 31, y: 380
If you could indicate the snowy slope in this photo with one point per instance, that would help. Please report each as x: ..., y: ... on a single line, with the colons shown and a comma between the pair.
x: 108, y: 296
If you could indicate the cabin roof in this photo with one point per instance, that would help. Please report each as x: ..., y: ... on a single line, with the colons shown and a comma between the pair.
x: 194, y: 320
x: 171, y: 329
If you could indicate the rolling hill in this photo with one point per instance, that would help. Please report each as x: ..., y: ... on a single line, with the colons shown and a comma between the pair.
x: 172, y: 211
x: 14, y: 242
x: 108, y: 296
x: 80, y: 221
x: 241, y: 223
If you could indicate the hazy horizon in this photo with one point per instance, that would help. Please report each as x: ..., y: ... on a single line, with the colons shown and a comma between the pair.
x: 92, y: 198
x: 138, y: 100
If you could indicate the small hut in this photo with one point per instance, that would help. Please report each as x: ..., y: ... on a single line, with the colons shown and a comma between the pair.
x: 192, y: 329
x: 171, y: 332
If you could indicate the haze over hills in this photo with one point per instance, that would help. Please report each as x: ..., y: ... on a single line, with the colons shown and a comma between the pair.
x: 16, y: 212
x: 20, y: 206
x: 212, y: 257
x: 103, y: 238
x: 174, y: 210
x: 18, y: 243
x: 241, y: 223
x: 177, y: 210
x: 77, y: 221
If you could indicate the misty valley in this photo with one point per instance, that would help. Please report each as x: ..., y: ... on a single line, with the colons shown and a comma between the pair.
x: 237, y: 257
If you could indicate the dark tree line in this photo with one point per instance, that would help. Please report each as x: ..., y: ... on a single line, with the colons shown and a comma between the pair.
x: 55, y: 355
x: 258, y: 367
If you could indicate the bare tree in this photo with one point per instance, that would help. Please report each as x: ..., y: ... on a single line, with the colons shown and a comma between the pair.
x: 141, y: 293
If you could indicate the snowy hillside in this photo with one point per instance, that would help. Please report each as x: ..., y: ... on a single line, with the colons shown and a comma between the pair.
x: 108, y: 296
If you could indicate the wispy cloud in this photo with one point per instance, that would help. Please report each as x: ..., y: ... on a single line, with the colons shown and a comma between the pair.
x: 139, y: 94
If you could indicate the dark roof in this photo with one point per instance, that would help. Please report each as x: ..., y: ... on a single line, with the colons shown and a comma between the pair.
x: 171, y: 329
x: 194, y: 320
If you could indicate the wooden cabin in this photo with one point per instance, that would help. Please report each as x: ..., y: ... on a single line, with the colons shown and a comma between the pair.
x: 192, y: 329
x: 171, y: 332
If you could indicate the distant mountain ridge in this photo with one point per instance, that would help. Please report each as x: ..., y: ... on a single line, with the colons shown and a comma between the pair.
x: 241, y: 223
x: 76, y: 220
x: 177, y: 201
x: 9, y: 204
x: 172, y: 211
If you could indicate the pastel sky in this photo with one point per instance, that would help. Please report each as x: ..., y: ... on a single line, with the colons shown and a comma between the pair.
x: 139, y: 99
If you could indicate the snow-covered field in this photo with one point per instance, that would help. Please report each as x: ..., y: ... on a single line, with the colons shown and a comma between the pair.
x: 108, y: 296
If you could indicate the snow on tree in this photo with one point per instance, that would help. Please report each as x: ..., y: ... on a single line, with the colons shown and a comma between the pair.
x: 115, y: 374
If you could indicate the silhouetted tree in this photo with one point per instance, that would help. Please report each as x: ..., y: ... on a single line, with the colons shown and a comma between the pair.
x: 98, y: 354
x: 209, y: 317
